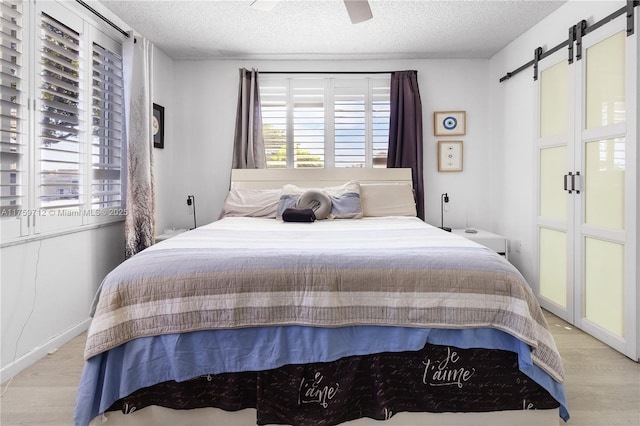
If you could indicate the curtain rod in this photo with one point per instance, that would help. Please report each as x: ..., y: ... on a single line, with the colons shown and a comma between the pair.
x: 326, y: 72
x: 581, y: 29
x: 104, y: 18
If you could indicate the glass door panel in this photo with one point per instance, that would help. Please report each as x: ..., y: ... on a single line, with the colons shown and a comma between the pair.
x: 605, y: 82
x: 554, y: 102
x: 604, y: 183
x: 554, y: 136
x: 553, y: 197
x: 553, y: 266
x: 604, y: 284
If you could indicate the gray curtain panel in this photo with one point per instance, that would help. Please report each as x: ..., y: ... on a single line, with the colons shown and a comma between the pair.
x: 248, y: 143
x: 139, y: 223
x: 405, y: 130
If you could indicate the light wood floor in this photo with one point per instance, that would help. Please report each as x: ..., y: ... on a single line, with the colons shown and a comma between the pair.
x: 603, y: 387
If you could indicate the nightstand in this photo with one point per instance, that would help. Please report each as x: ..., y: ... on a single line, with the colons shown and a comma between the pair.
x: 168, y: 233
x: 495, y: 242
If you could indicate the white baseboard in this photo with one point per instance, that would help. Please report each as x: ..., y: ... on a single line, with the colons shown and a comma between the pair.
x: 40, y: 352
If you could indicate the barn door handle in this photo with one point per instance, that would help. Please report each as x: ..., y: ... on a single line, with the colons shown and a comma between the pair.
x: 566, y: 182
x: 575, y: 182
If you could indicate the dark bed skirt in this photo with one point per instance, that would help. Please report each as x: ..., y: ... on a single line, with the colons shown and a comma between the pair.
x: 434, y: 379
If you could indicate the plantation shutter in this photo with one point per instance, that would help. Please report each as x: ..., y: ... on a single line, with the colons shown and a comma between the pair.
x: 60, y: 164
x: 308, y: 123
x: 273, y: 98
x: 107, y: 128
x: 361, y: 122
x: 380, y: 116
x: 325, y: 121
x: 350, y: 117
x: 13, y: 101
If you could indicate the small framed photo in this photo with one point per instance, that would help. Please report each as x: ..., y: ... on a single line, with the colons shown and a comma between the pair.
x: 449, y: 123
x: 157, y: 126
x: 450, y: 156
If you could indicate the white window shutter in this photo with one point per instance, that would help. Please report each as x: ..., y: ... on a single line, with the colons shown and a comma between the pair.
x: 273, y: 98
x: 308, y: 123
x: 107, y: 129
x: 60, y: 183
x: 380, y: 108
x: 325, y: 121
x: 13, y: 110
x: 350, y: 99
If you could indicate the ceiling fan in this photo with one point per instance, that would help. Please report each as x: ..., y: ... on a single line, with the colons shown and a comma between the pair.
x: 359, y: 10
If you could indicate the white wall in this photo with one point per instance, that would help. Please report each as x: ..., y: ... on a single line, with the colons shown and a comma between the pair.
x: 513, y: 126
x: 47, y: 286
x: 164, y: 163
x: 205, y: 95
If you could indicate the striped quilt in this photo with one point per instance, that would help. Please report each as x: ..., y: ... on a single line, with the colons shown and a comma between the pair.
x: 245, y: 272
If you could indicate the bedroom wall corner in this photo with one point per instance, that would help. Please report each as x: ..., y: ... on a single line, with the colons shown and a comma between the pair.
x: 205, y: 106
x: 168, y: 202
x: 458, y: 85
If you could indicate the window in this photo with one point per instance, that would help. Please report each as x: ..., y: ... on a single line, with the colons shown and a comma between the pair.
x: 325, y: 121
x: 62, y: 156
x: 12, y: 108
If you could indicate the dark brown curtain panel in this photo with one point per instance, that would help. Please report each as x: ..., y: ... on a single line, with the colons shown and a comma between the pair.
x: 405, y: 130
x: 248, y: 144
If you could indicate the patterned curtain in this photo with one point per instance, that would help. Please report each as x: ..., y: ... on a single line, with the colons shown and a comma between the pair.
x: 405, y: 130
x: 248, y: 143
x: 139, y: 224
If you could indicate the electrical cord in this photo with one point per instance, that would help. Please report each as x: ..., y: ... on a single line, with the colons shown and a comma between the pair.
x: 33, y: 308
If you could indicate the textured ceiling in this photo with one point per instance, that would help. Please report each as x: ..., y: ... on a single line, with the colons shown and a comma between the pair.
x: 321, y: 29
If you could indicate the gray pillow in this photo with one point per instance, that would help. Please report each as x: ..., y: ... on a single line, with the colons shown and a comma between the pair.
x: 317, y: 201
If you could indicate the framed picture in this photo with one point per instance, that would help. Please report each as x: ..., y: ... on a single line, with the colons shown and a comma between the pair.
x: 449, y: 123
x: 450, y: 156
x: 157, y: 126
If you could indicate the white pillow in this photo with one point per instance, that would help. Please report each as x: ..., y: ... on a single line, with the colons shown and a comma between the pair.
x: 345, y: 199
x: 387, y: 199
x: 251, y: 202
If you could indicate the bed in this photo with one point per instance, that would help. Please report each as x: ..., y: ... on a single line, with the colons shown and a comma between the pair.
x: 366, y: 315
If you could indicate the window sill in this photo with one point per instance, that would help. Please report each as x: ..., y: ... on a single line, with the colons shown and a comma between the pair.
x: 54, y: 234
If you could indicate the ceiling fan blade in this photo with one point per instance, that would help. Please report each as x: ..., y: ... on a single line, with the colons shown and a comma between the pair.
x: 265, y: 5
x: 359, y: 10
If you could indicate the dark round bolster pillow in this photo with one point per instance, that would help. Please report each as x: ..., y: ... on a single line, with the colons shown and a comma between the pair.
x: 317, y: 201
